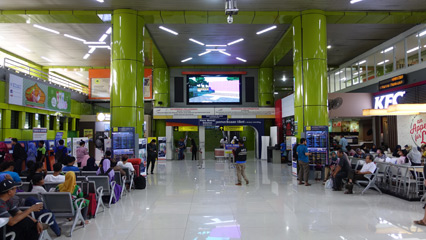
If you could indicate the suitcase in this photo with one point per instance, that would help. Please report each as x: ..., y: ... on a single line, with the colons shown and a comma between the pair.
x: 140, y: 182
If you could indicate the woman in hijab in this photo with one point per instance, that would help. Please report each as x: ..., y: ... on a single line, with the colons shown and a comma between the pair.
x: 395, y: 152
x: 32, y: 152
x: 415, y: 157
x: 90, y: 165
x: 105, y: 169
x: 70, y: 185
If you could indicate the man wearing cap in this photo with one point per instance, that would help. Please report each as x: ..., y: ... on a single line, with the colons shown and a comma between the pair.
x: 240, y: 164
x: 20, y: 222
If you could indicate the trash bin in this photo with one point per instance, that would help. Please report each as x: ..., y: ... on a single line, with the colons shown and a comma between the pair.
x: 269, y: 157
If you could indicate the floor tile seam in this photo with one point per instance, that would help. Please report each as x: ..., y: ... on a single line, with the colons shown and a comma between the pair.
x: 187, y: 219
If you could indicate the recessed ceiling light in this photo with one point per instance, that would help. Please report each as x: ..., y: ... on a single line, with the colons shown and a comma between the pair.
x: 197, y: 42
x: 87, y: 43
x: 266, y: 30
x: 47, y: 59
x: 75, y: 38
x: 236, y: 41
x: 329, y: 46
x: 23, y: 48
x: 355, y: 1
x: 186, y: 60
x: 212, y: 45
x: 45, y: 29
x: 387, y: 50
x: 242, y: 60
x: 92, y: 50
x: 216, y: 49
x: 204, y: 53
x: 225, y: 53
x: 284, y: 78
x: 101, y: 1
x: 276, y: 93
x: 109, y: 30
x: 103, y: 38
x: 168, y: 30
x: 86, y: 56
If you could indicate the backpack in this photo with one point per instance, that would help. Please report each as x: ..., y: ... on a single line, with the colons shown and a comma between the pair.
x: 140, y: 182
x: 61, y: 155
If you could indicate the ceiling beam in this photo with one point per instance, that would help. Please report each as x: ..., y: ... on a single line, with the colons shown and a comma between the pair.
x: 215, y: 17
x: 284, y: 45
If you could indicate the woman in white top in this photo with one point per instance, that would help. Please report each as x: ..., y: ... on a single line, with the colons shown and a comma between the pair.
x: 56, y: 177
x: 415, y: 156
x: 36, y: 184
x: 124, y: 164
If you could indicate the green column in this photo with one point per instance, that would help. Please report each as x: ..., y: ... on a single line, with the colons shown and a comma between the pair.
x: 127, y: 70
x: 266, y: 87
x: 310, y: 69
x: 160, y: 128
x: 161, y: 87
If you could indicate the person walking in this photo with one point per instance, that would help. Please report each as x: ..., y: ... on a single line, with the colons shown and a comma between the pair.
x: 19, y: 155
x: 194, y: 149
x: 240, y: 164
x: 303, y: 160
x: 152, y: 154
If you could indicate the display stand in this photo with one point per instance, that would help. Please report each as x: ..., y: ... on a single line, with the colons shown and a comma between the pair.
x: 317, y: 143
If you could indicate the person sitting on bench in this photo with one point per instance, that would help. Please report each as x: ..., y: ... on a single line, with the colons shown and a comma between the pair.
x: 368, y: 168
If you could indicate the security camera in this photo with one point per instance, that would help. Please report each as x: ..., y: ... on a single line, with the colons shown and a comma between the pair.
x: 230, y: 19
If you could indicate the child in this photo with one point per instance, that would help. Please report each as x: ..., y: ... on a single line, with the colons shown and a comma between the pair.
x: 318, y: 169
x: 36, y: 185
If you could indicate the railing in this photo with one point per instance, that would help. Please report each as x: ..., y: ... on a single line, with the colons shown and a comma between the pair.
x: 53, y: 79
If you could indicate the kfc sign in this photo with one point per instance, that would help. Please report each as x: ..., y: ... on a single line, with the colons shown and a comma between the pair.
x: 383, y: 102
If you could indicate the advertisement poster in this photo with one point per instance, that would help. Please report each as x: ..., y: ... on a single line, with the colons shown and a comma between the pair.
x: 162, y: 148
x: 35, y: 94
x: 147, y: 84
x: 39, y: 134
x: 58, y: 137
x: 59, y: 100
x: 15, y: 89
x: 88, y: 133
x: 142, y: 154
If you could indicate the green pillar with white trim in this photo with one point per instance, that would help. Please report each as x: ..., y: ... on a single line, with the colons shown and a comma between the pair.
x: 127, y: 70
x: 310, y: 69
x: 161, y: 87
x: 266, y: 87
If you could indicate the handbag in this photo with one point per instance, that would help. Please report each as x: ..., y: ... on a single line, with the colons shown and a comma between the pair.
x: 329, y: 184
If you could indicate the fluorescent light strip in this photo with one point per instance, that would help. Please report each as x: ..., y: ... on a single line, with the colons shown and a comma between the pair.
x: 168, y: 30
x: 212, y: 45
x: 101, y: 1
x: 242, y: 60
x: 362, y: 62
x: 343, y: 79
x: 266, y: 30
x: 23, y: 48
x: 225, y: 53
x: 92, y: 50
x: 355, y: 1
x: 75, y: 38
x: 79, y: 74
x: 204, y: 53
x: 45, y: 29
x: 413, y: 49
x: 422, y: 34
x: 100, y: 47
x: 109, y: 30
x: 387, y: 50
x: 381, y: 63
x: 186, y: 60
x: 47, y: 59
x: 87, y: 43
x: 236, y: 41
x: 216, y: 49
x: 339, y: 72
x: 197, y: 42
x: 103, y: 38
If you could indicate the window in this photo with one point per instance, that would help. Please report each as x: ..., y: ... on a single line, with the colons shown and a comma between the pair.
x: 400, y: 55
x: 413, y: 50
x: 69, y: 124
x: 14, y: 120
x: 422, y: 36
x: 51, y: 122
x: 28, y: 120
x: 77, y: 124
x: 62, y: 123
x: 42, y: 120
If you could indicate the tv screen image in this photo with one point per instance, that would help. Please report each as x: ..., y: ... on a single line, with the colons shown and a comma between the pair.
x: 214, y: 89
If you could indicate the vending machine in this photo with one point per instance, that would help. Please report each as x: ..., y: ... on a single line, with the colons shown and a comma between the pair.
x: 317, y: 143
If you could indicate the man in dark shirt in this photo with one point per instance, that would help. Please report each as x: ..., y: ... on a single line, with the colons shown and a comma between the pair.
x: 61, y: 153
x: 41, y: 155
x: 342, y: 170
x: 19, y: 155
x: 152, y: 154
x: 240, y: 163
x: 24, y: 226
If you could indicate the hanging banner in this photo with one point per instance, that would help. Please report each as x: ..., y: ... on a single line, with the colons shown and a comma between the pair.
x: 59, y: 100
x: 147, y: 84
x: 162, y: 148
x: 15, y: 89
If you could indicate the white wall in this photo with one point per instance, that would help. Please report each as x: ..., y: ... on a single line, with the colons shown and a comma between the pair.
x: 406, y: 132
x: 288, y: 106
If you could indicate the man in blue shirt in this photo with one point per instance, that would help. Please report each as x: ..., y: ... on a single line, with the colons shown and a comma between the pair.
x: 181, y: 145
x: 303, y: 161
x: 343, y: 143
x: 61, y: 153
x: 70, y: 165
x: 240, y: 163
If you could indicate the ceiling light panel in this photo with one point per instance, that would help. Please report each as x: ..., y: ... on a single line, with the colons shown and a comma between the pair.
x: 216, y: 49
x: 47, y: 59
x: 236, y: 41
x: 266, y: 30
x: 187, y: 59
x: 197, y: 42
x: 104, y: 36
x: 204, y: 53
x: 213, y: 45
x: 241, y: 59
x: 225, y: 53
x: 75, y: 38
x: 168, y: 30
x: 45, y: 29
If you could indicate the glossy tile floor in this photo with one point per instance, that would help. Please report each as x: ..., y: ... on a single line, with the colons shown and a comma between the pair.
x: 184, y: 202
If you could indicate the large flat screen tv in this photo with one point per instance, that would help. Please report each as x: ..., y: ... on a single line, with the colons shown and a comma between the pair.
x: 213, y: 89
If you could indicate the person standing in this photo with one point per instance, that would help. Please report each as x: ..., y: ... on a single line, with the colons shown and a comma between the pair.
x: 81, y: 153
x: 41, y: 155
x: 61, y: 153
x: 343, y: 143
x: 181, y: 146
x: 19, y: 155
x: 303, y: 161
x: 152, y: 154
x: 194, y: 149
x: 240, y: 164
